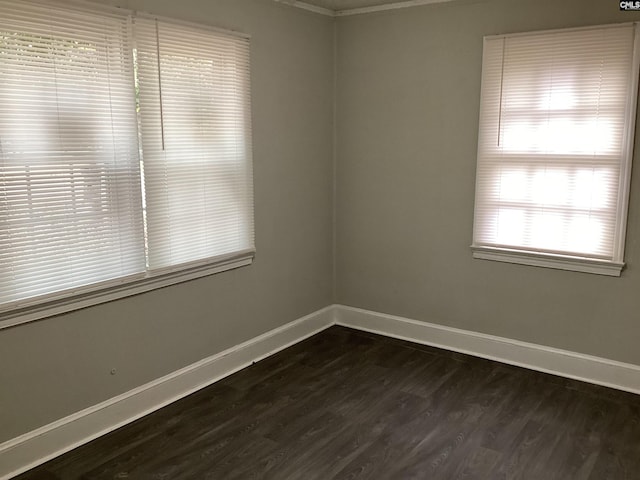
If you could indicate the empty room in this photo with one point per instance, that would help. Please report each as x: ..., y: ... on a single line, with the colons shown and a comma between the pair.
x: 320, y: 239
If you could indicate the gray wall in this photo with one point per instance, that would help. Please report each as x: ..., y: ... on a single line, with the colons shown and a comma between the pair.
x: 408, y: 96
x: 57, y: 366
x: 408, y: 99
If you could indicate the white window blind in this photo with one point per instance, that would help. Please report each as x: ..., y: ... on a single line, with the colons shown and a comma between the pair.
x: 195, y: 126
x: 125, y: 154
x: 554, y: 148
x: 70, y: 203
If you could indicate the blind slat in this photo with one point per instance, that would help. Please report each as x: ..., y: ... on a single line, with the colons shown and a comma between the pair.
x: 195, y: 101
x: 70, y: 201
x: 79, y: 86
x: 552, y: 149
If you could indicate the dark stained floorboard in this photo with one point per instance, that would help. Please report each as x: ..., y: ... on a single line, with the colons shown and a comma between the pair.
x: 351, y: 405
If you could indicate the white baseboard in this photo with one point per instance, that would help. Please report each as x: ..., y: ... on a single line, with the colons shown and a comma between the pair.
x: 587, y: 368
x: 34, y: 448
x: 38, y: 446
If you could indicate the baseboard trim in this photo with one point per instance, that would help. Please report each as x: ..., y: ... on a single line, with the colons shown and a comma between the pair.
x: 38, y: 446
x: 587, y: 368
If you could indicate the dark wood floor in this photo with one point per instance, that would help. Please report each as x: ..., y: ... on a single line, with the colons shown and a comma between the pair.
x: 350, y: 405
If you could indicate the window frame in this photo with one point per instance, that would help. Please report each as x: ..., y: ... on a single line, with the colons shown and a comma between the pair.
x: 564, y: 261
x: 69, y: 300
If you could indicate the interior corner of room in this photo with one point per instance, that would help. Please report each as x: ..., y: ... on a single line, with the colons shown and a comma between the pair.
x: 365, y: 146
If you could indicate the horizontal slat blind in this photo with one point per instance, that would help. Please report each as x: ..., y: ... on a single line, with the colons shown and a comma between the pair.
x: 70, y: 201
x: 553, y: 154
x: 196, y: 137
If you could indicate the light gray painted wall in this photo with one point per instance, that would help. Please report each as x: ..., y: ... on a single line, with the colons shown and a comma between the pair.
x: 409, y: 84
x: 57, y: 366
x: 408, y: 99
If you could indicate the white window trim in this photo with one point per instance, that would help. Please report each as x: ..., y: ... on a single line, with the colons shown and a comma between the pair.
x: 136, y: 284
x: 567, y: 262
x: 127, y: 288
x: 625, y: 190
x: 547, y: 260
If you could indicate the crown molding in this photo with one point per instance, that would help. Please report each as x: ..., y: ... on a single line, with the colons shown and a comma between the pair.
x: 307, y: 6
x: 359, y: 11
x: 388, y: 6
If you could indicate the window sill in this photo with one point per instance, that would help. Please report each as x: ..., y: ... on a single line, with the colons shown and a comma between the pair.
x: 134, y: 287
x: 560, y: 262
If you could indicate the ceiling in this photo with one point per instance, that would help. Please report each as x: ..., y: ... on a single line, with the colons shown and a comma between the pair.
x: 350, y: 7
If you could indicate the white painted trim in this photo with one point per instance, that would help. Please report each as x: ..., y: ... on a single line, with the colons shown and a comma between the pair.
x: 313, y: 8
x: 362, y: 10
x: 559, y: 262
x: 126, y: 288
x: 38, y: 446
x: 388, y: 6
x: 628, y: 144
x: 309, y: 7
x: 559, y: 30
x: 587, y: 368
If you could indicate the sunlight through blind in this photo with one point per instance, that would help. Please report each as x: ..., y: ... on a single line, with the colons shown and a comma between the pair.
x: 196, y: 138
x: 125, y: 151
x: 70, y: 203
x: 554, y: 149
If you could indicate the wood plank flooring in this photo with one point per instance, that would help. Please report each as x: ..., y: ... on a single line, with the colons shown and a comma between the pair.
x: 351, y: 405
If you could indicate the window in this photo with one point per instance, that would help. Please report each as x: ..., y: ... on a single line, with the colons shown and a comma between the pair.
x: 554, y: 148
x: 125, y: 150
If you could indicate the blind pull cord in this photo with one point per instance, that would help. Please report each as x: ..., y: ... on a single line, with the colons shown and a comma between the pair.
x: 504, y: 47
x: 160, y: 84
